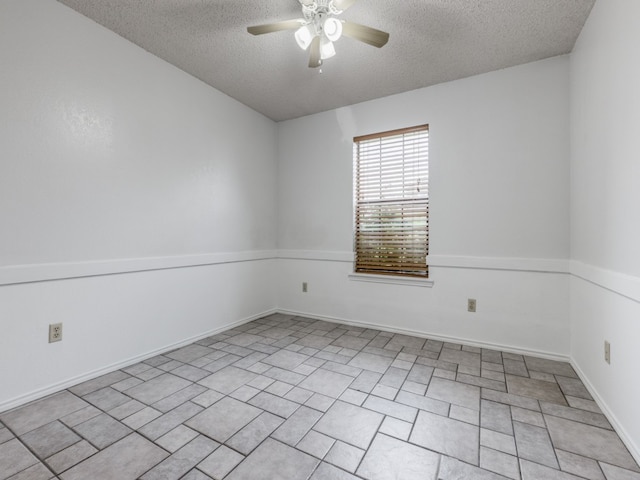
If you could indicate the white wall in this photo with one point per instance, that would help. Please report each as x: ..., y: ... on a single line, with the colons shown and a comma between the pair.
x: 499, y: 206
x: 605, y: 196
x: 111, y: 162
x: 133, y: 210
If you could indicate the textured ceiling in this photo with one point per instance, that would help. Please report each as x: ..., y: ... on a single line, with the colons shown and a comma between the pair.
x: 432, y: 41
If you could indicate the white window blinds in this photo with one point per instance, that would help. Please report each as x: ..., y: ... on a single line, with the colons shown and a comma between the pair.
x: 391, y: 180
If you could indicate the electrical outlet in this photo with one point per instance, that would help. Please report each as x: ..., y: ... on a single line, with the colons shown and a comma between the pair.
x: 55, y: 332
x: 471, y: 305
x: 304, y: 287
x: 607, y: 352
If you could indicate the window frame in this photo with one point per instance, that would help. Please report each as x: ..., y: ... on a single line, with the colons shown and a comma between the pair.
x: 406, y: 259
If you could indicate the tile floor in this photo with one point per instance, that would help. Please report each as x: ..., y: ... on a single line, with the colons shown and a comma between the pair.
x: 296, y: 399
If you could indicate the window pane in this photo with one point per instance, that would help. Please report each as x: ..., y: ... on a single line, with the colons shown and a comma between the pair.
x: 391, y: 176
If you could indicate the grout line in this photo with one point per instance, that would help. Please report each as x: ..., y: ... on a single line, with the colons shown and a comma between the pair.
x: 22, y: 400
x: 428, y: 335
x: 439, y: 466
x: 243, y: 328
x: 29, y: 449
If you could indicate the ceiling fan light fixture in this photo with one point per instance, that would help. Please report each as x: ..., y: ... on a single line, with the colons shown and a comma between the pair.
x: 320, y: 27
x: 304, y: 35
x: 327, y: 49
x: 332, y: 28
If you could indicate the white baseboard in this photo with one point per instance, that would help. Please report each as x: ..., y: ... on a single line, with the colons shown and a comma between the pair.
x: 634, y: 449
x: 433, y: 336
x: 56, y: 387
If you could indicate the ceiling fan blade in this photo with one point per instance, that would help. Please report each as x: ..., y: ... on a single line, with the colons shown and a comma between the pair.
x: 343, y: 4
x: 275, y: 27
x: 314, y: 58
x: 365, y: 34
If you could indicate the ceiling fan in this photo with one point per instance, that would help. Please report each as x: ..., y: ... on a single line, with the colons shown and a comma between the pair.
x: 320, y: 27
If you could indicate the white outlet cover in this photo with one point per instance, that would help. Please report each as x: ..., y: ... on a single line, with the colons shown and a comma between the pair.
x: 55, y: 332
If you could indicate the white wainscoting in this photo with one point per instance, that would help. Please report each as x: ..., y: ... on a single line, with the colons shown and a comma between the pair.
x: 522, y: 303
x: 58, y: 271
x: 605, y: 306
x: 620, y: 283
x: 118, y: 313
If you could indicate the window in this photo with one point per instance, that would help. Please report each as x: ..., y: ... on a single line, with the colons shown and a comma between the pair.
x: 391, y: 177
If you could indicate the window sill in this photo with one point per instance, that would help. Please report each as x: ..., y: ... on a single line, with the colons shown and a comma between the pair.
x: 389, y: 279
